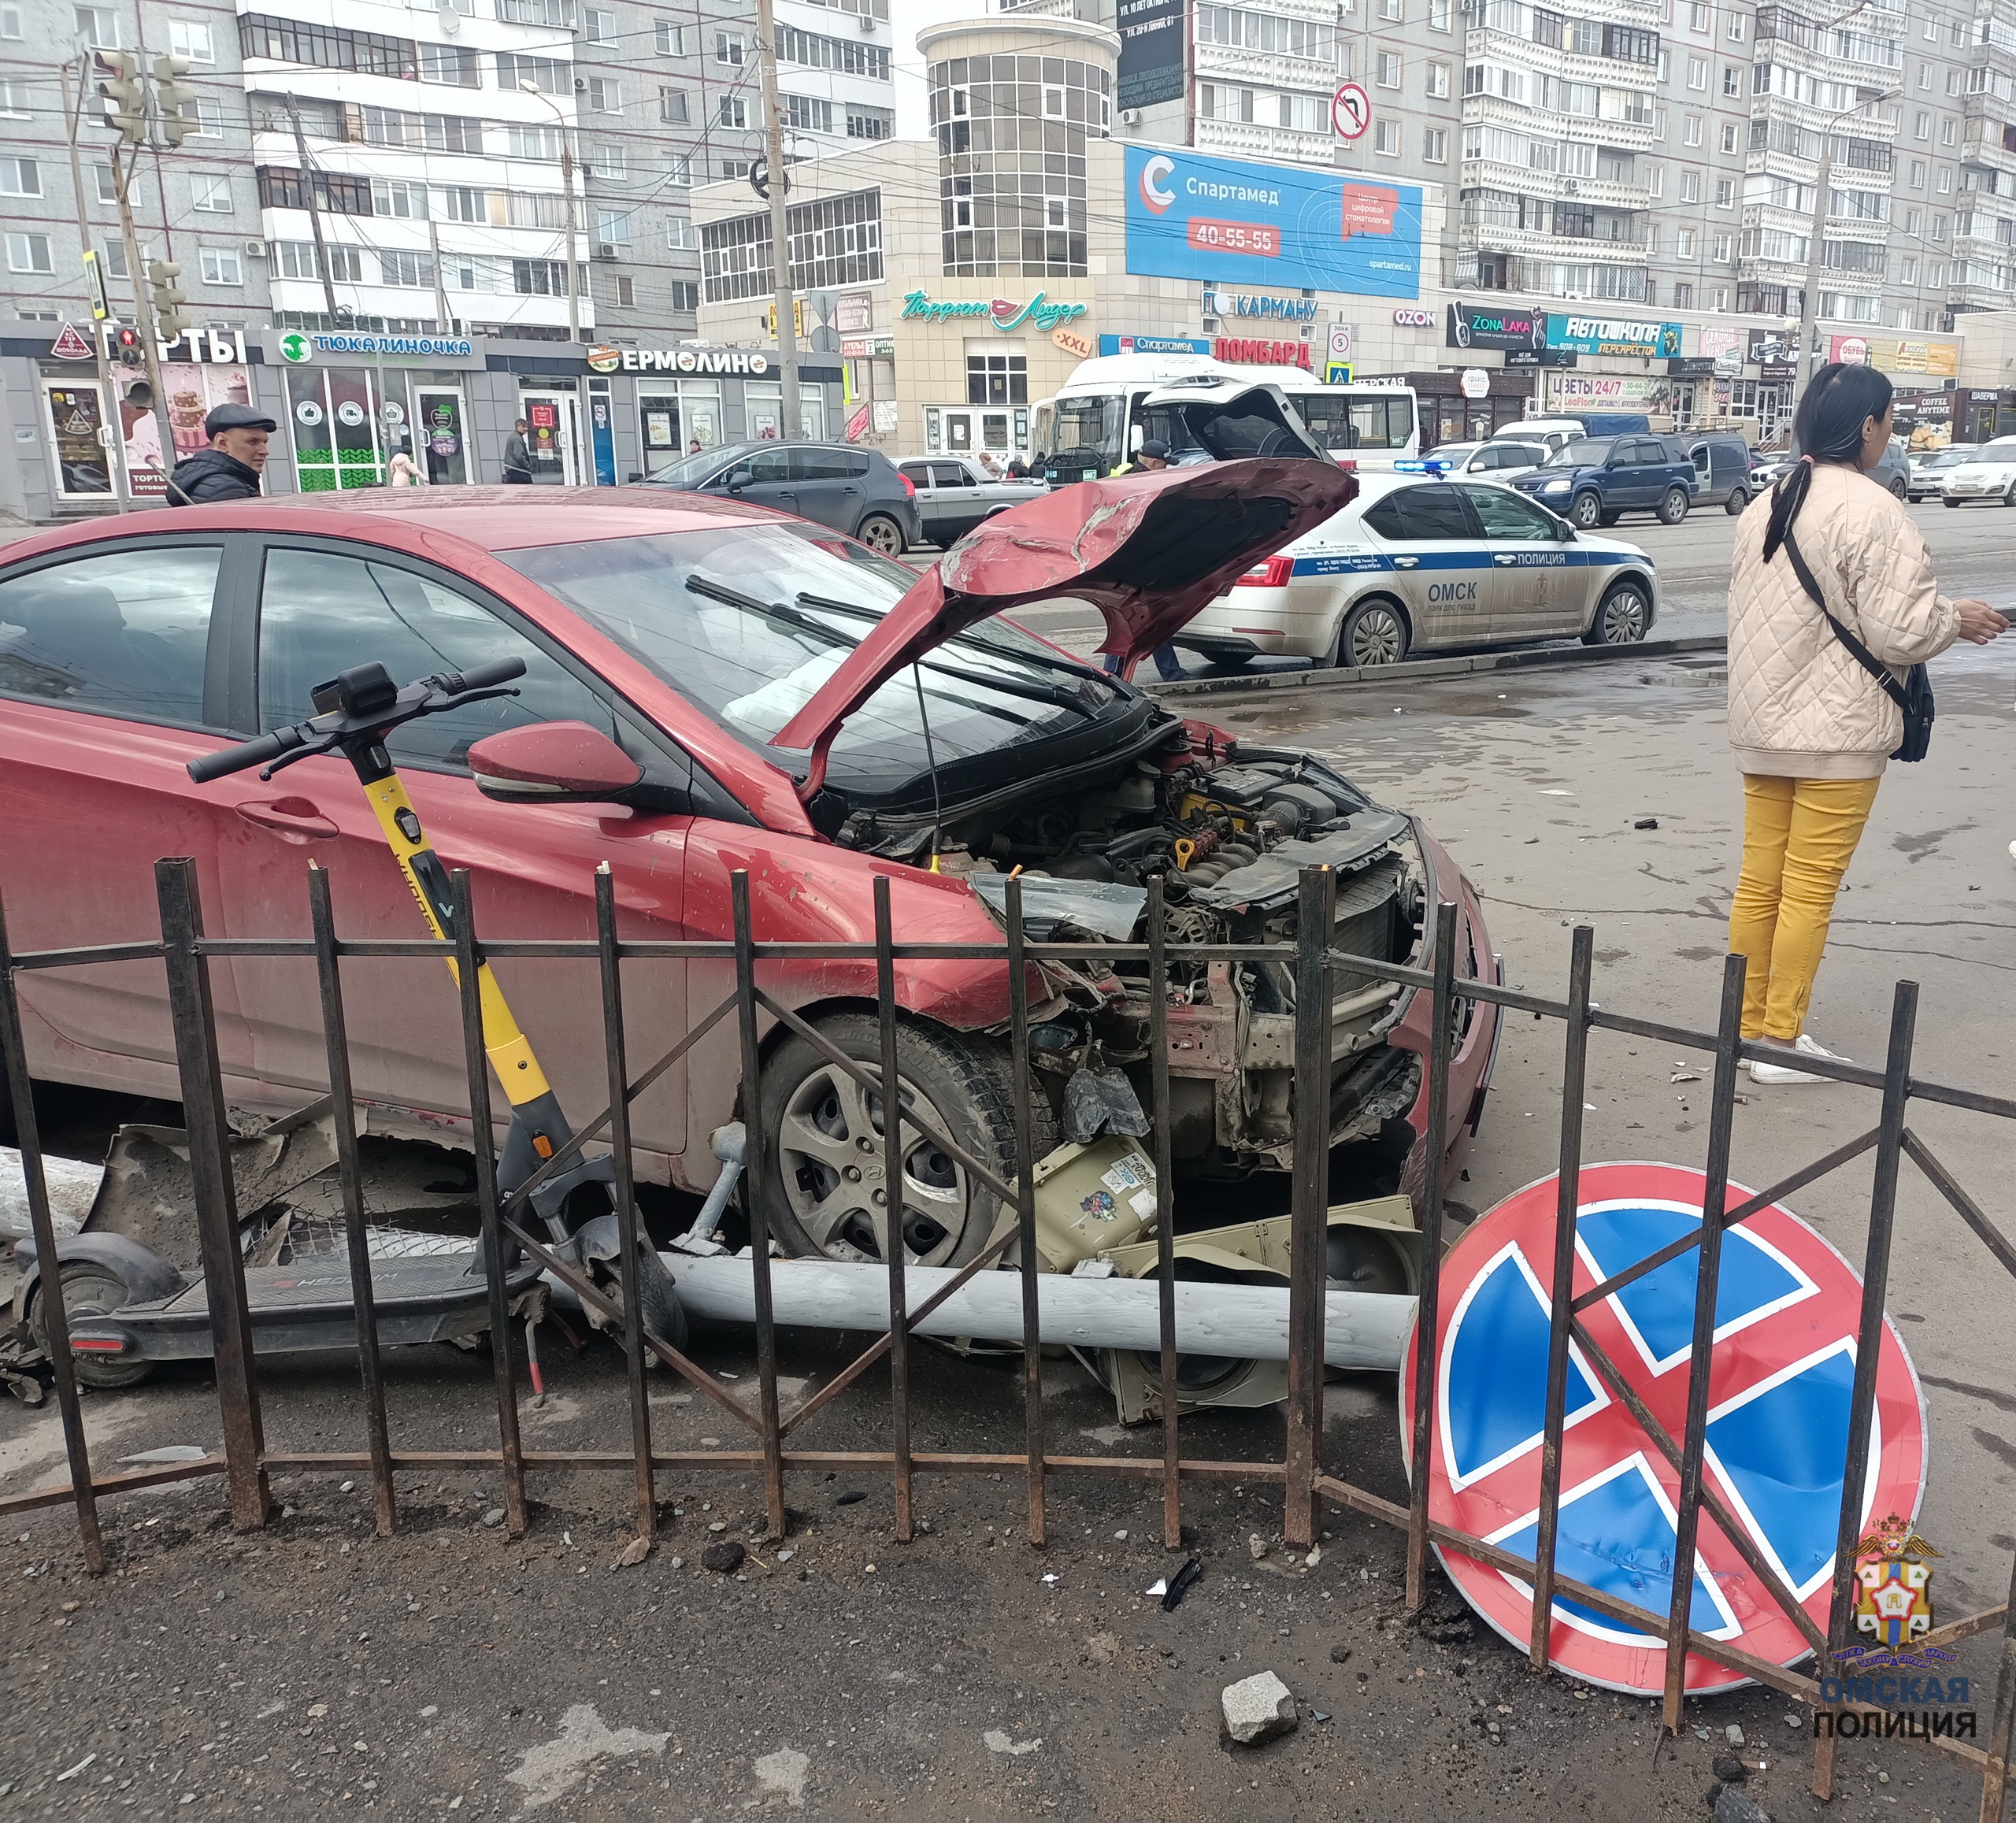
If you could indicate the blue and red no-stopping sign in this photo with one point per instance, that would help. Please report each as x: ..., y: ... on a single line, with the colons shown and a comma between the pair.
x: 1788, y: 1306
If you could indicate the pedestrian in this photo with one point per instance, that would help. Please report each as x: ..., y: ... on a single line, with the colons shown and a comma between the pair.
x: 1018, y: 470
x: 229, y: 469
x: 1812, y: 719
x: 402, y: 471
x: 693, y: 448
x: 1152, y: 455
x: 518, y: 457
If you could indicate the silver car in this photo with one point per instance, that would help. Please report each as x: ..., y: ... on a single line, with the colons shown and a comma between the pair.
x: 1416, y: 562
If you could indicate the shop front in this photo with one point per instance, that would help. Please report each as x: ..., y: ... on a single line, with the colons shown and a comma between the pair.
x: 665, y: 403
x: 1448, y: 415
x: 354, y: 402
x: 71, y: 410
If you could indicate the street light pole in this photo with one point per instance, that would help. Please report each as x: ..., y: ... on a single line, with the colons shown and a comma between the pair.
x: 1809, y: 313
x: 567, y: 186
x: 773, y: 148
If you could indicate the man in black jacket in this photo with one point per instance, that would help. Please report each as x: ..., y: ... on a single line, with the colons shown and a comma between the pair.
x: 517, y: 457
x: 229, y: 469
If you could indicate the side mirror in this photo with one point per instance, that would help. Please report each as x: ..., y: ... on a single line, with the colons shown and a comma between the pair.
x: 553, y: 762
x: 635, y: 475
x: 1565, y: 534
x: 740, y: 479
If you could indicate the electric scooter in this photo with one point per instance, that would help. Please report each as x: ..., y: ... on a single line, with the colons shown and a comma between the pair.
x: 129, y: 1309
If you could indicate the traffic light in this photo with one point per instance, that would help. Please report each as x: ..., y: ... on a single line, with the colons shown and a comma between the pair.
x: 170, y: 325
x: 172, y: 97
x: 125, y: 94
x: 126, y: 344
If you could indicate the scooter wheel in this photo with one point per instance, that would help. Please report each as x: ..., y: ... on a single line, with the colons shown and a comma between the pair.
x: 89, y: 1290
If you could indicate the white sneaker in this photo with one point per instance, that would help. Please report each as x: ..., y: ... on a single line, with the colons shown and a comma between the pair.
x: 1783, y: 1073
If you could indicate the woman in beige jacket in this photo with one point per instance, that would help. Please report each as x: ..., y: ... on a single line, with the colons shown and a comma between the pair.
x: 1812, y: 728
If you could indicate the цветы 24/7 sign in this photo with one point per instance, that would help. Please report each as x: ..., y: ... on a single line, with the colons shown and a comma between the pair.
x: 1266, y: 226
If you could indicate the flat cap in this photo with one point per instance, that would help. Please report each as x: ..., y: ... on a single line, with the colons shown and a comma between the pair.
x: 237, y: 417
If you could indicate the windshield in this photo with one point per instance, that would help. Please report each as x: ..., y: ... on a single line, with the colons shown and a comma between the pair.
x: 1945, y: 458
x: 2001, y: 449
x: 1452, y: 453
x: 691, y: 471
x: 675, y: 602
x: 1583, y: 453
x: 1096, y: 423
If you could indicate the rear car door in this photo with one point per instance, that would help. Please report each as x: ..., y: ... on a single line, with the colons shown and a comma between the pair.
x: 1645, y: 472
x: 960, y: 509
x: 830, y: 484
x: 1441, y: 568
x: 920, y: 476
x: 1534, y: 589
x: 113, y: 675
x: 323, y: 605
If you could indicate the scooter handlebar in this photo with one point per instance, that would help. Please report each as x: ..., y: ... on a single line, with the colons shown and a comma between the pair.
x: 482, y: 676
x: 251, y: 753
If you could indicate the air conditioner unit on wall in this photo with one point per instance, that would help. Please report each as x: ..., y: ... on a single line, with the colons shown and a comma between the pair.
x: 1130, y: 116
x: 608, y: 250
x: 255, y: 249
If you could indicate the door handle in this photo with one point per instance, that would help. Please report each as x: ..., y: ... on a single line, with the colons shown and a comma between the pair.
x: 1503, y: 559
x: 1406, y: 563
x: 295, y: 818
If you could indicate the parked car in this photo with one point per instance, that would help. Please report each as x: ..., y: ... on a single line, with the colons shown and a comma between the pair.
x: 1556, y: 431
x: 1988, y: 474
x: 1497, y: 459
x: 772, y: 679
x: 1892, y: 473
x: 955, y: 494
x: 1722, y: 467
x: 1926, y: 471
x: 1417, y: 563
x: 858, y: 491
x: 1596, y: 480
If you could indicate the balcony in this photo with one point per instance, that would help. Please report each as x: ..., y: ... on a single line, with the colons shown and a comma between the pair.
x: 1521, y: 180
x: 1492, y: 237
x: 1220, y: 62
x: 1252, y: 136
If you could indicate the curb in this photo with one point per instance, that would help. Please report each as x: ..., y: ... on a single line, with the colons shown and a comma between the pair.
x: 1330, y: 677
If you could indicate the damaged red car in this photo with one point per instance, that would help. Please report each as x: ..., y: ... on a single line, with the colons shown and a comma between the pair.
x: 801, y: 708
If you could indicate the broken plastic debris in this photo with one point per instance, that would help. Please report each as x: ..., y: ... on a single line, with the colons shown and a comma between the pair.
x: 167, y: 1453
x: 1646, y: 823
x: 1103, y: 1101
x: 1051, y: 1576
x: 1158, y: 1587
x: 1104, y: 909
x: 1180, y: 1585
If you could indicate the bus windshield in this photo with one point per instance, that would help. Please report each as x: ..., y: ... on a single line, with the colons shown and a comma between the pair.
x: 1097, y: 421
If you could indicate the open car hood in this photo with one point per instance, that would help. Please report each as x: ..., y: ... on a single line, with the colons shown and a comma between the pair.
x: 1147, y: 550
x: 1232, y: 419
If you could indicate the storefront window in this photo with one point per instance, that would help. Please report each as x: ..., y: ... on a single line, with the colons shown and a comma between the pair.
x: 997, y: 378
x: 442, y: 441
x: 83, y: 467
x: 764, y: 402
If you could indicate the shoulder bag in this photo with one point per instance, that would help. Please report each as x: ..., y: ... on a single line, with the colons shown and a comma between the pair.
x: 1913, y: 696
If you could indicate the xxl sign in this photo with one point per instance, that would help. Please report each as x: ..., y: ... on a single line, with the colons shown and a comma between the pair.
x: 1269, y: 226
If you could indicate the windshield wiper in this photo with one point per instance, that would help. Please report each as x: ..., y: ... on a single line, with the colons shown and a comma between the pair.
x: 1059, y: 661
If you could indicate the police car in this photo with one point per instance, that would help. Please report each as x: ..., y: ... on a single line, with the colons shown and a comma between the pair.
x: 1417, y: 562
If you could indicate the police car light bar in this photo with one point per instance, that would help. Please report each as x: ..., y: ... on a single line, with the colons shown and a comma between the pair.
x: 1432, y: 465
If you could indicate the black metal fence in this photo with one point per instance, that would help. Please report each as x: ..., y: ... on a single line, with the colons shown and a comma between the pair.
x: 1301, y: 1474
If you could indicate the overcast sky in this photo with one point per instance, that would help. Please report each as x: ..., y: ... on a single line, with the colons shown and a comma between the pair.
x: 907, y: 19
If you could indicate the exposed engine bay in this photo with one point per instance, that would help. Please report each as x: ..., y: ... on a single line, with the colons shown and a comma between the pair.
x: 1229, y: 827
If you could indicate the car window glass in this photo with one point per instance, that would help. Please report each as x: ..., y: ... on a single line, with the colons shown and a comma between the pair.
x: 1506, y: 515
x: 320, y: 614
x: 950, y: 475
x: 817, y: 465
x: 917, y: 474
x: 764, y: 465
x: 1410, y: 514
x: 124, y: 635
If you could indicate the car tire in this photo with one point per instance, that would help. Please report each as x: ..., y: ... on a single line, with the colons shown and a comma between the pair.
x: 94, y: 1290
x: 1622, y: 617
x: 1583, y: 511
x: 2009, y: 494
x: 1899, y: 490
x: 1374, y: 633
x: 1954, y: 504
x: 879, y: 532
x: 818, y: 1120
x: 1672, y: 506
x: 1736, y: 502
x: 1610, y: 518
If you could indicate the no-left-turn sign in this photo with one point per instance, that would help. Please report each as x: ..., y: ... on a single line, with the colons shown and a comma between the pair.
x: 1351, y: 111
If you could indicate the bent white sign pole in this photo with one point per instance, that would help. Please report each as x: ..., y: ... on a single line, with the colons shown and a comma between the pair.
x: 1361, y: 1329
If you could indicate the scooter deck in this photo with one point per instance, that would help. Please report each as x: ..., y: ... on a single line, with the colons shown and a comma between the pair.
x: 308, y: 1305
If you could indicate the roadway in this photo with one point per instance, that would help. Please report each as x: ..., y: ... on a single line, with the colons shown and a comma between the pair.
x: 1969, y: 543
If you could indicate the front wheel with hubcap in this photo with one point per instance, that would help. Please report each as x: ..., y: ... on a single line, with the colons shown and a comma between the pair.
x: 89, y: 1290
x: 1374, y: 632
x: 1622, y: 617
x: 879, y: 532
x: 1584, y: 511
x: 825, y: 1183
x: 1672, y: 506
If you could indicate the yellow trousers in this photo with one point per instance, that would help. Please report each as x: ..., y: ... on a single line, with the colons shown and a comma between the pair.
x: 1798, y: 836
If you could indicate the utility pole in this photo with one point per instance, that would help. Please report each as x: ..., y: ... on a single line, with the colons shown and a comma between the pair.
x: 314, y: 212
x: 115, y: 454
x: 773, y: 147
x: 143, y: 309
x: 447, y: 323
x: 567, y: 186
x: 1809, y: 312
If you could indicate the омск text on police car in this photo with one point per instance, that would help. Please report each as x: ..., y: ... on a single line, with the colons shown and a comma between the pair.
x: 1417, y: 563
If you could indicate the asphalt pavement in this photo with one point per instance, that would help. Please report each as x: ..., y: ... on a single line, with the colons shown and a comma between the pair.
x: 1970, y: 544
x: 315, y: 1671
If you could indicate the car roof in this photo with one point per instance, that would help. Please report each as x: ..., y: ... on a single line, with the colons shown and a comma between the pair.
x: 488, y: 518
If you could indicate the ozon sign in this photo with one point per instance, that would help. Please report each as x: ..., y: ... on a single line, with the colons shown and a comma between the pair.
x: 1414, y: 319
